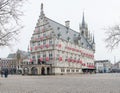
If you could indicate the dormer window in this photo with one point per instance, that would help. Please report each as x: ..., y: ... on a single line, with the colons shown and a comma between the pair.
x: 74, y: 35
x: 87, y: 46
x: 58, y: 28
x: 67, y: 31
x: 82, y: 32
x: 59, y: 34
x: 82, y: 44
x: 68, y: 38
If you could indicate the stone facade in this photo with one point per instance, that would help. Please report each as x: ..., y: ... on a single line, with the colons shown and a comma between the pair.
x: 60, y: 48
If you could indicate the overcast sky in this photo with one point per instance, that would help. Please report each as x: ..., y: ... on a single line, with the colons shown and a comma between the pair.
x: 99, y: 14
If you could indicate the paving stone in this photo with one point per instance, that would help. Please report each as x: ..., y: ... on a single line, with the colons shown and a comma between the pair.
x: 86, y: 83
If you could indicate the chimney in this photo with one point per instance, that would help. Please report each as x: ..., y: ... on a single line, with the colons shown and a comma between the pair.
x: 67, y: 24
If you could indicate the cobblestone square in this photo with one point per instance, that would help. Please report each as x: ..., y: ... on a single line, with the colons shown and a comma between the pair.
x: 84, y: 83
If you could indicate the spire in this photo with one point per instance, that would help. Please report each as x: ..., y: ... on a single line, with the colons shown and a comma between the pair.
x: 41, y: 6
x: 28, y: 52
x: 91, y: 37
x: 83, y: 21
x: 88, y: 35
x: 28, y: 48
x: 93, y: 44
x: 42, y: 12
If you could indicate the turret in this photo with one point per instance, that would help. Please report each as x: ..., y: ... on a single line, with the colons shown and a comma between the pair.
x: 28, y: 51
x: 42, y: 15
x: 42, y: 12
x: 93, y: 43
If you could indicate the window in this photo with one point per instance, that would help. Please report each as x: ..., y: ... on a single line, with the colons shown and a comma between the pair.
x: 68, y: 70
x: 67, y: 32
x: 39, y: 43
x: 82, y: 44
x: 72, y: 70
x: 50, y: 42
x: 44, y: 42
x: 38, y: 56
x: 58, y: 28
x: 75, y: 35
x: 77, y: 70
x: 44, y: 55
x: 33, y: 57
x: 50, y: 56
x: 38, y: 36
x: 33, y: 44
x: 62, y: 70
x: 44, y: 35
x: 68, y: 38
x: 82, y: 32
x: 59, y: 35
x: 66, y: 58
x: 57, y: 56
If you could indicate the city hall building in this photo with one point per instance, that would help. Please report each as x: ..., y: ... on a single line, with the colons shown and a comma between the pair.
x: 58, y: 49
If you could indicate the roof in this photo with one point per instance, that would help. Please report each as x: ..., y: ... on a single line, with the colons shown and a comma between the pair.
x: 23, y: 54
x: 117, y: 63
x: 101, y: 61
x: 68, y: 33
x: 12, y: 55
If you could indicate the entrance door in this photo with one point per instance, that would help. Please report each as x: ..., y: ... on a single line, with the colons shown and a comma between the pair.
x: 34, y: 71
x: 42, y: 71
x: 48, y: 71
x: 25, y: 70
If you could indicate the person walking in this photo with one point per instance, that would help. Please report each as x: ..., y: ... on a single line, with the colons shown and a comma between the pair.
x: 6, y: 73
x: 2, y: 72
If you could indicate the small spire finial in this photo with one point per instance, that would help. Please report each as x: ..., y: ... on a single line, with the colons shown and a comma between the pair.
x: 42, y: 12
x: 83, y: 20
x: 41, y: 6
x: 28, y: 48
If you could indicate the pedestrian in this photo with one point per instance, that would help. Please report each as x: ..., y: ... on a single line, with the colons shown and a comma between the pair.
x: 6, y: 73
x: 2, y: 72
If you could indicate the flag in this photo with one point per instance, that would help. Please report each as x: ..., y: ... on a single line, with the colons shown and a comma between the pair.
x: 41, y: 59
x: 60, y: 58
x: 47, y: 45
x: 47, y: 58
x: 36, y: 47
x: 31, y: 60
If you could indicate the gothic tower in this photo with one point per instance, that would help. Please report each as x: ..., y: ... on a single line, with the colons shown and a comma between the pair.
x: 84, y: 28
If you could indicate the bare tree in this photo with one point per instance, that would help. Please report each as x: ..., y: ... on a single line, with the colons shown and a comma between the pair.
x: 113, y: 37
x: 10, y: 13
